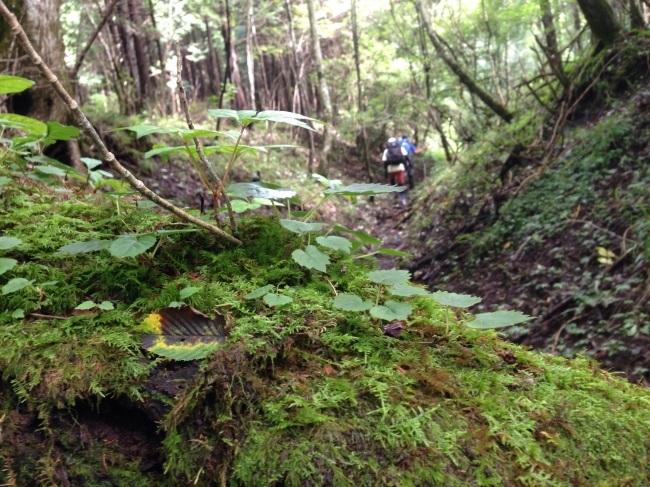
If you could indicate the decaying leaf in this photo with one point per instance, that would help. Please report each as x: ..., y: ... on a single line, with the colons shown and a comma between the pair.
x: 182, y: 333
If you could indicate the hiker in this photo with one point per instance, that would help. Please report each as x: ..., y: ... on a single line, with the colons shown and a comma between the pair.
x: 395, y: 159
x: 411, y: 149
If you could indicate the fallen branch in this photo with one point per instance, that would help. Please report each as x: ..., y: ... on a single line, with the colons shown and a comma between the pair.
x: 84, y: 124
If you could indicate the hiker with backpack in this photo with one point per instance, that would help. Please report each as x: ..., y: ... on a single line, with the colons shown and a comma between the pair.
x: 395, y: 159
x: 412, y: 150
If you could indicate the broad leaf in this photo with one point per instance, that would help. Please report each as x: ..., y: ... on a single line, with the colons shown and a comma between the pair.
x: 106, y: 306
x: 351, y: 302
x: 91, y: 163
x: 311, y: 258
x: 392, y: 310
x: 407, y: 290
x: 226, y: 113
x: 18, y: 314
x: 13, y: 84
x: 360, y: 189
x: 273, y: 299
x: 498, y: 319
x: 189, y: 291
x: 455, y: 300
x: 335, y: 243
x: 86, y: 305
x: 259, y: 190
x: 390, y: 277
x: 4, y: 180
x: 144, y: 129
x: 84, y: 247
x: 182, y: 333
x: 51, y: 170
x: 9, y: 242
x: 7, y: 264
x: 300, y: 227
x: 56, y: 131
x: 259, y: 292
x: 131, y: 246
x: 15, y: 285
x: 26, y: 124
x: 364, y: 237
x: 284, y: 117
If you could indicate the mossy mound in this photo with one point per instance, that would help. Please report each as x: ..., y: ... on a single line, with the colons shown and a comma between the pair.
x: 300, y: 394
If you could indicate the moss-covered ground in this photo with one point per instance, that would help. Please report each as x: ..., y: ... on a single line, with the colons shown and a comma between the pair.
x: 300, y: 394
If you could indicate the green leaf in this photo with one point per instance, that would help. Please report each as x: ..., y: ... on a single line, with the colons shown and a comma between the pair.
x: 407, y: 290
x: 9, y: 242
x: 359, y: 189
x: 259, y: 190
x: 273, y: 299
x: 18, y: 314
x: 86, y: 305
x: 455, y: 300
x: 106, y: 306
x: 259, y: 292
x: 283, y: 117
x: 351, y: 302
x: 13, y: 84
x: 4, y: 180
x: 391, y: 311
x: 15, y: 285
x: 390, y: 277
x: 26, y: 124
x: 335, y: 243
x: 84, y: 247
x: 56, y: 131
x: 498, y: 319
x: 300, y: 227
x: 48, y: 283
x: 189, y: 291
x: 91, y: 163
x: 225, y: 113
x: 48, y: 161
x: 7, y: 264
x: 131, y: 246
x: 240, y: 206
x: 144, y: 129
x: 364, y: 237
x: 51, y: 170
x: 394, y: 253
x: 311, y: 258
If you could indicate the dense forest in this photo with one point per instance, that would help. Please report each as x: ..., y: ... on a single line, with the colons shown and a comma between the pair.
x: 221, y: 263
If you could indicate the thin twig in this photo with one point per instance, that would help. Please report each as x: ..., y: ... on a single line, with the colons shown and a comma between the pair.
x: 91, y: 40
x: 82, y: 122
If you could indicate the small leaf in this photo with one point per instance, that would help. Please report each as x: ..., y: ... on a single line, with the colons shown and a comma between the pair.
x: 7, y: 264
x: 391, y: 311
x: 260, y: 190
x: 351, y: 302
x: 364, y: 237
x: 300, y: 227
x: 394, y: 253
x: 56, y: 131
x: 15, y: 285
x: 273, y: 299
x: 51, y: 170
x: 26, y: 124
x: 7, y: 243
x: 4, y: 180
x: 407, y: 290
x: 84, y: 247
x: 455, y: 300
x: 91, y: 163
x: 188, y: 291
x: 13, y: 84
x: 86, y: 305
x: 498, y: 319
x: 131, y: 246
x: 390, y: 277
x: 223, y: 113
x: 259, y: 292
x: 311, y: 258
x: 360, y: 189
x: 49, y: 283
x: 335, y: 243
x: 395, y: 329
x: 240, y: 206
x: 18, y: 314
x: 106, y: 306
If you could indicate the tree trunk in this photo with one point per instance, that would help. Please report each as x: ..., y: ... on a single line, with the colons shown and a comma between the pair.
x: 636, y: 17
x: 602, y: 20
x: 213, y: 59
x: 360, y: 104
x: 551, y: 50
x: 250, y: 63
x: 464, y: 77
x: 323, y: 91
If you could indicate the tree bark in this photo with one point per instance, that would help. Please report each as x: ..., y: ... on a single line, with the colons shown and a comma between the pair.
x: 551, y: 50
x: 602, y: 20
x: 463, y: 76
x: 360, y: 103
x: 250, y: 62
x: 323, y: 91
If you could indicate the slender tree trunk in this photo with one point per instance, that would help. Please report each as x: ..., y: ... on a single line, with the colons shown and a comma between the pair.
x: 142, y: 63
x: 360, y: 102
x: 602, y: 20
x: 463, y: 76
x: 323, y: 91
x: 636, y: 17
x: 551, y: 49
x: 250, y: 62
x: 214, y: 70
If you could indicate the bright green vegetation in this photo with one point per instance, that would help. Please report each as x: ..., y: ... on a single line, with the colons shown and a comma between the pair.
x: 301, y: 393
